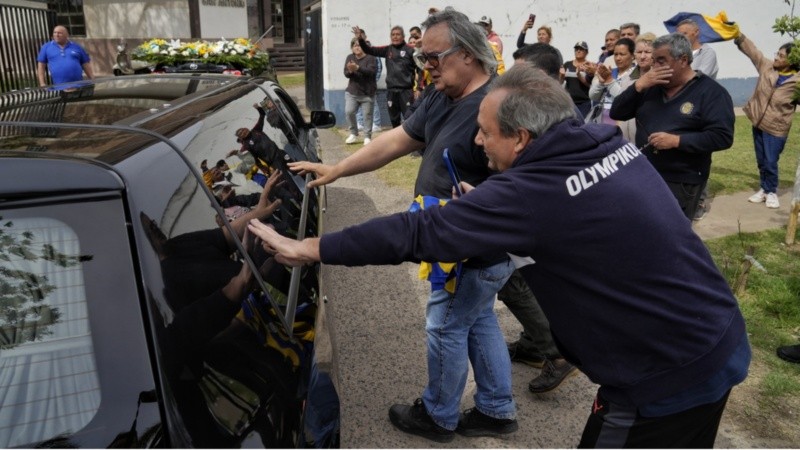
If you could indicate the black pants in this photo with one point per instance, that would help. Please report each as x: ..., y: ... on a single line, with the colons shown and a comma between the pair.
x: 688, y: 196
x: 398, y: 101
x: 615, y: 426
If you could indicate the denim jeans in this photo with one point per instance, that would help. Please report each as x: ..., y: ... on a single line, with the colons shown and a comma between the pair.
x: 768, y: 151
x: 351, y: 104
x: 462, y: 328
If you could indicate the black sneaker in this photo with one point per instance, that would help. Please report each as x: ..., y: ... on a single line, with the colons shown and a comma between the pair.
x: 553, y: 374
x: 414, y: 419
x: 519, y: 354
x: 475, y: 423
x: 790, y: 353
x: 701, y: 211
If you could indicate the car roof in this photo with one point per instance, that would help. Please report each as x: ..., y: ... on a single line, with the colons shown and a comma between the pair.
x: 124, y: 114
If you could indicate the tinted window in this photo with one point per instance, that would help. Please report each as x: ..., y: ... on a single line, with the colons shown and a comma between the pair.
x: 48, y: 377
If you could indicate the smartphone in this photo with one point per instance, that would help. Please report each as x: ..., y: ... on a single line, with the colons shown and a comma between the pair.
x: 532, y: 17
x: 451, y: 169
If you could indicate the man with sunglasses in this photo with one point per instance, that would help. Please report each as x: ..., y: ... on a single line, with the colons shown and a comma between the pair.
x: 400, y: 71
x: 461, y: 326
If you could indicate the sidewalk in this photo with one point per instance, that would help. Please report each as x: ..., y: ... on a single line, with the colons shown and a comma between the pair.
x: 729, y: 214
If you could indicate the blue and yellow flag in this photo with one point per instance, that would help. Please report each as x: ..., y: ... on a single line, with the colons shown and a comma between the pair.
x: 712, y: 29
x: 442, y: 275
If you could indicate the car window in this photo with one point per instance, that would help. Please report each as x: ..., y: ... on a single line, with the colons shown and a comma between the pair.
x: 48, y: 376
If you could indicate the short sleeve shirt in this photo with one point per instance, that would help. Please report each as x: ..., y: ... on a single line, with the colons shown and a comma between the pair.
x: 65, y: 64
x: 442, y: 122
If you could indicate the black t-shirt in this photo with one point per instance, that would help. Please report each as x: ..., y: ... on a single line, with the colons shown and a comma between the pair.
x: 577, y: 90
x: 442, y: 123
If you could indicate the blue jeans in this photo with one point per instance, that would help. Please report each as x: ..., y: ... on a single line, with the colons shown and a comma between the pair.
x: 462, y: 328
x: 768, y: 151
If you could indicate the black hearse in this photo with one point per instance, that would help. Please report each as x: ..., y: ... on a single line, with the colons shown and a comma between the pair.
x: 110, y: 262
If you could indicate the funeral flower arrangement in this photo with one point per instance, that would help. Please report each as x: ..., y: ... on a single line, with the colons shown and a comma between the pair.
x: 239, y: 52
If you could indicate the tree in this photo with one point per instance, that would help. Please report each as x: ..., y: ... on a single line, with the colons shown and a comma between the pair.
x: 790, y: 24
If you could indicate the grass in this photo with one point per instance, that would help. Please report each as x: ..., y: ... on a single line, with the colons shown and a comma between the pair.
x: 734, y: 170
x: 291, y: 79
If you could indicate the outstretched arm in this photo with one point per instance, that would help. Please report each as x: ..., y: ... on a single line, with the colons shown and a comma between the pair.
x: 287, y: 251
x: 262, y: 210
x: 382, y: 150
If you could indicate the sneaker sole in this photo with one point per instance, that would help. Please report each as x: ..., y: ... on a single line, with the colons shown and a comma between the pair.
x: 400, y: 425
x: 571, y: 374
x: 485, y: 432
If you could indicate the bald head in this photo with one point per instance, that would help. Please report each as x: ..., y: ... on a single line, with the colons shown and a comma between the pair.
x: 60, y: 34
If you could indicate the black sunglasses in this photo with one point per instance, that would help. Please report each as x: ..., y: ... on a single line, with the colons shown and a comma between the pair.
x: 434, y: 58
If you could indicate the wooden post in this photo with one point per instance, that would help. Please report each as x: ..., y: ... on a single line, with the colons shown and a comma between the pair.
x: 741, y: 280
x: 791, y: 228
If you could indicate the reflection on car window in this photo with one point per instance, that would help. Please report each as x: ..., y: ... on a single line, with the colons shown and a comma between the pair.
x: 48, y: 378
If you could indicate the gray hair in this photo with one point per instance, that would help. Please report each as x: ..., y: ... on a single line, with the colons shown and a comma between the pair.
x: 465, y: 34
x: 535, y: 101
x: 691, y: 22
x: 678, y: 45
x: 633, y: 25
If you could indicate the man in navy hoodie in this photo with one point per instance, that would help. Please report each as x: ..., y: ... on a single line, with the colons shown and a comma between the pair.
x: 633, y: 297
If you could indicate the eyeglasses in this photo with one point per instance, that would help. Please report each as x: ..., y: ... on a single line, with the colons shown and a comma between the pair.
x: 435, y: 58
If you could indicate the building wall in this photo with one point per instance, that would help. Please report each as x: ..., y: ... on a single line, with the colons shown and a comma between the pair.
x: 570, y: 20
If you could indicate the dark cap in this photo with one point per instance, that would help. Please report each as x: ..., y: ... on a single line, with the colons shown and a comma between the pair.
x: 485, y: 20
x: 583, y: 45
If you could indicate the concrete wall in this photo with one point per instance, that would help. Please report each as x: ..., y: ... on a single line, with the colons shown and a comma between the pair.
x: 223, y: 19
x: 114, y: 19
x: 570, y: 20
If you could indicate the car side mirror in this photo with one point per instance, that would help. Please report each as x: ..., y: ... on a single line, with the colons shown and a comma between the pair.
x: 323, y: 119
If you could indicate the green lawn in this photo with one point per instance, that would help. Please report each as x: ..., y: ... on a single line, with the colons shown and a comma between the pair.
x: 735, y: 170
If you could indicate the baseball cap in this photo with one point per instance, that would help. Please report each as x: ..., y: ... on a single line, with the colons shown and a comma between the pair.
x: 485, y: 20
x: 582, y: 44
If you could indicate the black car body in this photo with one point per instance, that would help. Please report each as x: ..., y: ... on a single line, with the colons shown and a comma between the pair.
x: 107, y: 339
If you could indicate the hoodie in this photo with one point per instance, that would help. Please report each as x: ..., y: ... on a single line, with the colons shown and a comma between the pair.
x: 631, y: 292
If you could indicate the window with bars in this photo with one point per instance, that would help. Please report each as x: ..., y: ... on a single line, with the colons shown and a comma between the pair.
x: 69, y: 13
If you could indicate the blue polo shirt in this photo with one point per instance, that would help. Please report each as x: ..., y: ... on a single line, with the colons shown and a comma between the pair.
x: 65, y: 64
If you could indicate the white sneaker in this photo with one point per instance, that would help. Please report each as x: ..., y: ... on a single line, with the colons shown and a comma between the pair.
x: 351, y: 139
x: 772, y: 201
x: 367, y: 141
x: 376, y: 129
x: 758, y: 197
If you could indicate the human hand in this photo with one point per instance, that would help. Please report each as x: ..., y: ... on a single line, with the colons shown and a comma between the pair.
x: 657, y: 75
x: 357, y: 31
x: 352, y: 67
x: 324, y: 173
x: 589, y: 67
x: 466, y: 187
x: 663, y: 141
x: 603, y: 73
x: 264, y: 205
x: 287, y: 251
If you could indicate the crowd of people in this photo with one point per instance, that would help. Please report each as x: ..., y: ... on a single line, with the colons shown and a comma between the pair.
x: 567, y: 140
